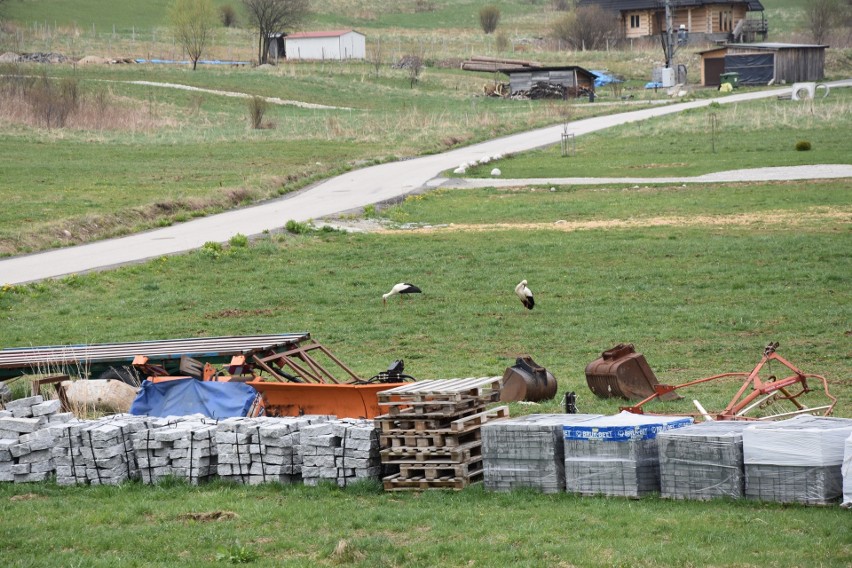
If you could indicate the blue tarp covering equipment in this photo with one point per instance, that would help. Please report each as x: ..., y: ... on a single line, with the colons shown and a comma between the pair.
x: 603, y: 78
x: 190, y: 396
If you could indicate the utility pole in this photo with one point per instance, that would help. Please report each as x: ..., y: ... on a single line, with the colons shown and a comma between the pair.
x: 669, y: 42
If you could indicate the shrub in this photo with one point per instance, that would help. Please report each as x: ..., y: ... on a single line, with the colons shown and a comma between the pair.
x: 561, y: 5
x: 501, y: 41
x: 228, y: 16
x: 489, y: 17
x: 297, y: 228
x: 803, y: 146
x: 256, y: 108
x: 239, y: 241
x: 423, y: 6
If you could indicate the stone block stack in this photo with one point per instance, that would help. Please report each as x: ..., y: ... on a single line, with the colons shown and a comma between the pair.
x: 527, y: 452
x: 27, y: 438
x: 340, y: 451
x: 432, y: 432
x: 846, y: 471
x: 616, y: 455
x: 263, y: 449
x: 703, y: 461
x: 182, y: 448
x: 797, y: 460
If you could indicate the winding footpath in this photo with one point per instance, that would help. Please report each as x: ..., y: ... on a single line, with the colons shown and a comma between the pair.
x: 345, y: 192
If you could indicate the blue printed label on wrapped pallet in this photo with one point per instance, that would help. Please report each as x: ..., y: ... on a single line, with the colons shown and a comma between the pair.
x: 621, y: 433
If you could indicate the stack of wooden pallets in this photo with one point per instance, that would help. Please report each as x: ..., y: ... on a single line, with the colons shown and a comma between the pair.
x: 432, y: 432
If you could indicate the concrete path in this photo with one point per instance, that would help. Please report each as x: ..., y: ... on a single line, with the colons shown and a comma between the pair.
x: 342, y: 193
x: 782, y: 173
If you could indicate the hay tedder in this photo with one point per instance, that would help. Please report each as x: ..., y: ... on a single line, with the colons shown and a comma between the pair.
x: 621, y: 372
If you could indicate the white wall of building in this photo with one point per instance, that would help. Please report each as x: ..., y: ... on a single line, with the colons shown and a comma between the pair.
x: 351, y: 45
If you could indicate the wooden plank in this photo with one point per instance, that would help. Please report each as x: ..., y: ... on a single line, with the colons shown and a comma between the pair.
x: 428, y: 439
x: 418, y: 456
x: 397, y: 483
x: 465, y: 423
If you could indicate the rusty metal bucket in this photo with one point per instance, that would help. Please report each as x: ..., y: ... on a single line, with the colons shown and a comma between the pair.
x: 526, y: 380
x: 622, y: 372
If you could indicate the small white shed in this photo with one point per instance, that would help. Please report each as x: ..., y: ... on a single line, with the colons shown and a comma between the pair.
x: 335, y: 44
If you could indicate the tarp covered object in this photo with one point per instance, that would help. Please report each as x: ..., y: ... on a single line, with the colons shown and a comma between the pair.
x: 753, y: 69
x: 189, y: 396
x: 603, y: 78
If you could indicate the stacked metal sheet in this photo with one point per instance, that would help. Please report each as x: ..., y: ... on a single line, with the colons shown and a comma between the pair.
x: 263, y: 449
x: 342, y: 451
x: 797, y: 460
x: 702, y: 461
x: 527, y: 451
x: 616, y: 455
x: 846, y: 470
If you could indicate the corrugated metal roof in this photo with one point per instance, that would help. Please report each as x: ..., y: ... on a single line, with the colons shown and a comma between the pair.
x: 33, y: 357
x: 775, y: 45
x: 328, y: 33
x: 627, y: 5
x: 511, y: 70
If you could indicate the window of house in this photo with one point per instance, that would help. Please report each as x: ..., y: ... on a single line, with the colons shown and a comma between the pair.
x: 634, y: 20
x: 726, y: 18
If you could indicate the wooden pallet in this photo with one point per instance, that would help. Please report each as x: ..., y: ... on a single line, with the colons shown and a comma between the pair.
x: 428, y: 439
x: 444, y: 390
x: 405, y: 455
x: 398, y: 483
x: 466, y: 422
x: 433, y: 409
x: 439, y: 470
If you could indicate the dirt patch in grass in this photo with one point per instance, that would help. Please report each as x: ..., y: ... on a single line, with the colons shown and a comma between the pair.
x: 237, y: 313
x: 25, y: 497
x: 207, y: 517
x: 793, y: 218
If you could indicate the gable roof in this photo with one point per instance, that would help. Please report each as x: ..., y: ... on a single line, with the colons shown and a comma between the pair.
x: 627, y: 5
x: 328, y: 33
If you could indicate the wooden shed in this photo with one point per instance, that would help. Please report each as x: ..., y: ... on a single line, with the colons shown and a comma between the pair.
x: 764, y: 63
x: 575, y: 78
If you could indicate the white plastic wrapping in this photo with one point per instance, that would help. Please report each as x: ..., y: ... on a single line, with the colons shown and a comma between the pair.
x: 846, y: 469
x: 801, y: 441
x: 702, y: 461
x: 526, y: 451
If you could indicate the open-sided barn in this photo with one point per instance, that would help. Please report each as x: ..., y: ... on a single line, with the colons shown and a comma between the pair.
x: 762, y: 63
x: 575, y: 79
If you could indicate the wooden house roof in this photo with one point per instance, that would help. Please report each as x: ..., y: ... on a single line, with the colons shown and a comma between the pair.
x: 629, y: 5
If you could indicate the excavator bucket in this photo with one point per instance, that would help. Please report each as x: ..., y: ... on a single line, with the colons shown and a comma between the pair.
x: 621, y: 372
x: 341, y: 400
x: 526, y: 380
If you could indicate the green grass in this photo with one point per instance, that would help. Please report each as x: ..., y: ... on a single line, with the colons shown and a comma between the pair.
x: 697, y: 296
x: 761, y: 133
x: 294, y: 526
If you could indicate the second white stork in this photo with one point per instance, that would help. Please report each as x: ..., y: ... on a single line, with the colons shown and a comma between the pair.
x: 525, y: 294
x: 401, y: 288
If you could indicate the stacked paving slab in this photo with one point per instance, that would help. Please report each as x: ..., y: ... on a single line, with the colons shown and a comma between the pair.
x: 616, y: 455
x: 797, y: 460
x: 27, y: 436
x: 527, y: 452
x: 340, y: 451
x: 432, y: 432
x: 702, y: 461
x: 263, y: 449
x: 177, y: 447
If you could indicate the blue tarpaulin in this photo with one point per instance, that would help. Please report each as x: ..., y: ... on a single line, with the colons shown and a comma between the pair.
x: 603, y: 78
x: 190, y: 396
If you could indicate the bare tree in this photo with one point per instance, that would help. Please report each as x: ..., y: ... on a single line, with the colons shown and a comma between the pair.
x: 588, y: 27
x: 192, y: 22
x: 270, y: 16
x: 376, y: 55
x: 821, y: 16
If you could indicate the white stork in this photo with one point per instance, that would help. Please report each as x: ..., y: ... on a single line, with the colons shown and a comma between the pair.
x: 525, y: 294
x: 401, y: 288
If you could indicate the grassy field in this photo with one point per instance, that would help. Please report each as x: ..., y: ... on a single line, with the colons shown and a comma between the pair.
x: 695, y: 284
x: 295, y: 526
x: 700, y: 141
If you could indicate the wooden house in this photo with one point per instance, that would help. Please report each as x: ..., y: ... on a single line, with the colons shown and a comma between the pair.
x: 764, y: 63
x: 702, y: 20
